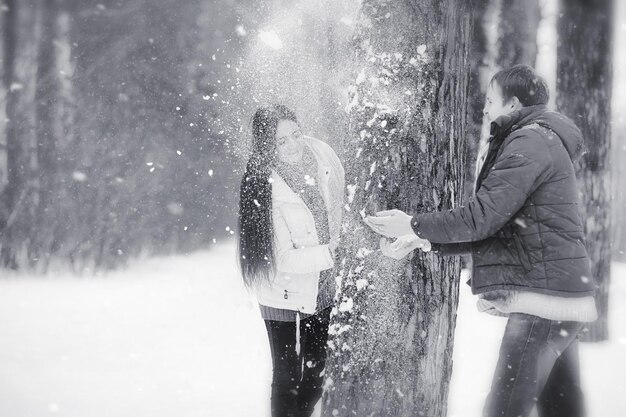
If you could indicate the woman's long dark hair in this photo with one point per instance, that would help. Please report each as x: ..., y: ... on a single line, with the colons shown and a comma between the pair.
x: 256, y: 234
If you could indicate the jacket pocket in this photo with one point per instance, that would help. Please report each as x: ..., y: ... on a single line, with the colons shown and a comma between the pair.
x: 522, y: 253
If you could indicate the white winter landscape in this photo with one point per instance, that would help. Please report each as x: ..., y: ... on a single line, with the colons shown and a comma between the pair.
x: 179, y: 336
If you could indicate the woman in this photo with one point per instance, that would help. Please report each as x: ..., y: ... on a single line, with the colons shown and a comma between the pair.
x: 290, y: 205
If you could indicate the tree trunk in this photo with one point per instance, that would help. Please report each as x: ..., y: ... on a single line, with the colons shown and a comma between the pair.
x: 514, y: 43
x: 46, y: 92
x: 618, y: 206
x: 517, y: 44
x: 3, y: 142
x: 391, y: 335
x: 20, y: 35
x: 480, y: 70
x: 618, y: 168
x: 64, y: 134
x: 584, y: 77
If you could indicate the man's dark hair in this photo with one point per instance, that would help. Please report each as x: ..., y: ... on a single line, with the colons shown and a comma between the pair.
x: 522, y: 81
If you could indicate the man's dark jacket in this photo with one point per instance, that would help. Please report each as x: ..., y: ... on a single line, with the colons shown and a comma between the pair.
x: 523, y: 227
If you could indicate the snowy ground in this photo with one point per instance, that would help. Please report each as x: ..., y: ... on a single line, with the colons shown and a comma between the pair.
x: 179, y: 336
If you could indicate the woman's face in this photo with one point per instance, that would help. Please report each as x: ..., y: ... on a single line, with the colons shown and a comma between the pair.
x: 289, y: 142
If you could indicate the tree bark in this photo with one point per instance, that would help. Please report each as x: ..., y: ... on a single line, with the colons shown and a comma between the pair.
x: 391, y: 335
x: 584, y: 78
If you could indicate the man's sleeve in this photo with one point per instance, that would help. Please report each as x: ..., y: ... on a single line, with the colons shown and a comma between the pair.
x: 517, y: 172
x: 452, y: 249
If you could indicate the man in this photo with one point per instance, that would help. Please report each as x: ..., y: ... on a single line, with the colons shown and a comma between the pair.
x: 525, y: 235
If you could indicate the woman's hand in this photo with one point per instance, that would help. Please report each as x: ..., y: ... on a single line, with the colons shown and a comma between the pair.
x: 403, y: 246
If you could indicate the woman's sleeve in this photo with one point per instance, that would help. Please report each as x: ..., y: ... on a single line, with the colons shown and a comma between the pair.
x: 297, y: 260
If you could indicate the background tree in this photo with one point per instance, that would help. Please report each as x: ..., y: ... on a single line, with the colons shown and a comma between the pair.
x: 128, y: 118
x: 517, y: 40
x: 47, y: 161
x: 392, y: 330
x: 514, y: 41
x: 584, y: 78
x: 480, y: 70
x: 619, y: 197
x: 115, y: 145
x: 618, y: 150
x: 19, y: 75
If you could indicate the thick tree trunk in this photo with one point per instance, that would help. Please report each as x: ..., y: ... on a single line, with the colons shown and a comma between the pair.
x: 20, y: 35
x: 584, y: 74
x: 517, y: 44
x: 390, y: 347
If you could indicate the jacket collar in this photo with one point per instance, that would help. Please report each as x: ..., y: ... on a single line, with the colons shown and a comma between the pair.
x: 507, y: 123
x: 282, y: 192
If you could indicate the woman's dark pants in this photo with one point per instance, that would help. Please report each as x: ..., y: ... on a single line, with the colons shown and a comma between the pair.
x: 297, y: 383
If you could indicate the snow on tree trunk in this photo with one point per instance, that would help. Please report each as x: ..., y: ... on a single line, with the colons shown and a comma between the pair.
x: 584, y: 93
x: 391, y: 335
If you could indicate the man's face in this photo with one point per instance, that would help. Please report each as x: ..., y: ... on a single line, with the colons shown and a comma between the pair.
x: 495, y: 106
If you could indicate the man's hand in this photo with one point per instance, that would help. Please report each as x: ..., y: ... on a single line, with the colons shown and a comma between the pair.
x: 403, y: 246
x: 390, y: 223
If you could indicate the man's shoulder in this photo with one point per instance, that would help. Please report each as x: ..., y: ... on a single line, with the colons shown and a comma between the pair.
x: 530, y: 135
x: 531, y: 130
x: 529, y: 141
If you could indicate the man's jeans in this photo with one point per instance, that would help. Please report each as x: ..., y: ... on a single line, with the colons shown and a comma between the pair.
x: 296, y: 382
x: 538, y: 364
